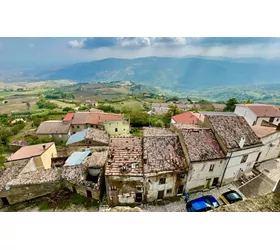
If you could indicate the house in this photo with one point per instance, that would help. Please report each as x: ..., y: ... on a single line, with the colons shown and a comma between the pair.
x: 87, y: 139
x: 91, y: 103
x: 187, y: 118
x: 147, y: 95
x: 160, y: 108
x: 40, y: 153
x: 19, y: 181
x: 58, y: 130
x: 164, y: 165
x: 124, y: 171
x: 114, y: 124
x: 218, y: 107
x: 238, y: 141
x: 255, y: 114
x: 83, y: 173
x: 270, y: 137
x: 205, y: 158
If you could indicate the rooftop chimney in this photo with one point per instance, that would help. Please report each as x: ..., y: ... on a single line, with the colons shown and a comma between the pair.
x: 242, y: 142
x: 44, y: 146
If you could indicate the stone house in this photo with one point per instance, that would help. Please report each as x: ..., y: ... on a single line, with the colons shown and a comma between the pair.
x: 58, y: 130
x: 40, y: 155
x: 114, y: 124
x: 205, y: 158
x: 238, y: 141
x: 87, y: 139
x: 164, y: 165
x: 270, y: 137
x: 91, y: 103
x: 255, y: 114
x: 124, y: 171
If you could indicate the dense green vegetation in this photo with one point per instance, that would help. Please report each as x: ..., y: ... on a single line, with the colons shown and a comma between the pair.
x: 58, y: 94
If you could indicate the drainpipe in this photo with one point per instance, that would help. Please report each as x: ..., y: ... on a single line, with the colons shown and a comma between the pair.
x: 225, y: 169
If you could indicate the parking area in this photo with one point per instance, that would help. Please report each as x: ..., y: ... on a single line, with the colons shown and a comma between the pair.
x: 180, y: 206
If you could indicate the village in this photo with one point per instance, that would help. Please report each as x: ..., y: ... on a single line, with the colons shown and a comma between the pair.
x: 200, y: 153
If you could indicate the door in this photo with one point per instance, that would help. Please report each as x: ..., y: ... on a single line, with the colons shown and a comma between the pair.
x: 180, y: 189
x: 138, y: 197
x: 89, y: 195
x: 208, y: 182
x: 215, y: 182
x: 160, y: 195
x: 5, y: 201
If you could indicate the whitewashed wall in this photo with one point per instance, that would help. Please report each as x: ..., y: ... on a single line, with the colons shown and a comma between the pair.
x: 269, y: 151
x: 249, y: 116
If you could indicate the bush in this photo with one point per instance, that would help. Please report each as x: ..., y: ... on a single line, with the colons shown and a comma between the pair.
x: 67, y: 109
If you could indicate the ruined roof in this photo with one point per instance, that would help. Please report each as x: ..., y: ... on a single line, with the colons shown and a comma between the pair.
x: 30, y: 151
x: 36, y: 177
x: 77, y: 158
x: 185, y: 126
x: 12, y: 171
x: 53, y: 127
x: 188, y: 117
x: 77, y: 137
x: 74, y: 174
x: 262, y: 131
x: 98, y: 117
x: 97, y: 159
x: 262, y: 110
x: 231, y: 129
x: 152, y: 131
x: 125, y: 156
x: 265, y: 203
x: 201, y: 144
x: 97, y: 135
x: 162, y: 153
x: 68, y: 117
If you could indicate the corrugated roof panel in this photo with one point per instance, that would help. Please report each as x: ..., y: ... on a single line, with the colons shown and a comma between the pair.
x: 76, y: 158
x: 79, y: 136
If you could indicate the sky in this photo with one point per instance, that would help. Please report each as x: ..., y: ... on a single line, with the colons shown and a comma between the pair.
x: 68, y: 50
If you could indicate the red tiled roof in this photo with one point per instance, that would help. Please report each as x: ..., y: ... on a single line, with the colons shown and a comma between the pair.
x: 263, y: 110
x: 68, y: 117
x: 97, y: 117
x: 188, y: 118
x: 262, y: 131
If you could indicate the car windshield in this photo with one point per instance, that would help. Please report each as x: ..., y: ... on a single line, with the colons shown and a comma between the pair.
x: 208, y: 201
x: 234, y: 196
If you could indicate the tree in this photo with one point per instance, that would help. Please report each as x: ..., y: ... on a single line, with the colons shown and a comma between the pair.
x: 173, y: 110
x: 67, y: 109
x: 249, y: 101
x: 139, y: 119
x: 230, y: 104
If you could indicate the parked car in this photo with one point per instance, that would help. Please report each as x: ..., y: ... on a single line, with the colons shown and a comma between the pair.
x: 231, y: 197
x: 202, y: 204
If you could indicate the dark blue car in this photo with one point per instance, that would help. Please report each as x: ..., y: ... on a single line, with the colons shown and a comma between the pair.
x: 202, y: 204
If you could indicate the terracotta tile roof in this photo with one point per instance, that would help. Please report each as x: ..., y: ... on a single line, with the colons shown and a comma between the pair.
x: 262, y: 131
x: 98, y: 117
x: 68, y: 117
x: 80, y: 118
x: 185, y: 126
x: 263, y: 110
x: 30, y: 151
x: 152, y: 131
x: 162, y: 153
x: 53, y: 127
x: 125, y: 157
x: 201, y: 144
x: 231, y: 129
x: 97, y: 159
x: 188, y: 117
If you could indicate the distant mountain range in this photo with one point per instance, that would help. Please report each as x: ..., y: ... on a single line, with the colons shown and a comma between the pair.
x: 176, y: 74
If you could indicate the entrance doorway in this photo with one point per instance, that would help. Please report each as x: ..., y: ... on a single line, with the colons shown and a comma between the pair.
x: 180, y: 189
x: 160, y: 195
x: 89, y: 194
x: 215, y: 182
x: 5, y: 201
x: 208, y: 182
x: 138, y: 197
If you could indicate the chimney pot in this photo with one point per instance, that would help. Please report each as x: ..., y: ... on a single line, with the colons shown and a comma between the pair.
x: 44, y: 146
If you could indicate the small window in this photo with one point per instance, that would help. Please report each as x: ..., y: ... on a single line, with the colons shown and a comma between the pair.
x: 139, y: 188
x: 91, y: 126
x: 271, y: 119
x: 116, y: 129
x: 244, y: 158
x: 78, y: 126
x: 162, y: 181
x: 211, y: 167
x: 169, y: 191
x: 89, y: 142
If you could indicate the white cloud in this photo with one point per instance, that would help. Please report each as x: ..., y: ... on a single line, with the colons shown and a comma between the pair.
x: 76, y: 44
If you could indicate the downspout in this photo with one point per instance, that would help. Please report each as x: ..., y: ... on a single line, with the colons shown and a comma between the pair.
x: 225, y: 170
